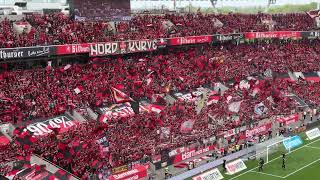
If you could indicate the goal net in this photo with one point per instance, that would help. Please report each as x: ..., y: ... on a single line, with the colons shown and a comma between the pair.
x: 269, y: 147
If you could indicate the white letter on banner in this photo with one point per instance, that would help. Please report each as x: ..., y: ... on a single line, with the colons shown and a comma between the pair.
x: 44, y: 127
x: 154, y: 45
x: 93, y: 50
x: 143, y: 46
x: 114, y: 47
x: 107, y: 48
x: 35, y: 130
x: 131, y: 46
x: 101, y: 49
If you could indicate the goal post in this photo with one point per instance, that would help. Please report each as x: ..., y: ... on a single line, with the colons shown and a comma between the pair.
x: 275, y: 145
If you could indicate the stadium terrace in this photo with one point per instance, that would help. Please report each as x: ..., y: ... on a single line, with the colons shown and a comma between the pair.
x: 158, y: 96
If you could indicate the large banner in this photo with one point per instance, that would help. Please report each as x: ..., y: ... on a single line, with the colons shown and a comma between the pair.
x: 258, y: 130
x: 116, y: 111
x: 189, y: 40
x: 192, y: 153
x: 287, y: 120
x: 27, y: 52
x: 59, y: 123
x: 101, y: 10
x: 272, y: 34
x: 124, y: 47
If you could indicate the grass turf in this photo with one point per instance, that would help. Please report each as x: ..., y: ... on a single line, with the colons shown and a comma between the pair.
x: 301, y: 163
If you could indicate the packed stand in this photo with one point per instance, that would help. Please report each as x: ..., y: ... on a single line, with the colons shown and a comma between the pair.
x: 60, y: 29
x: 41, y: 93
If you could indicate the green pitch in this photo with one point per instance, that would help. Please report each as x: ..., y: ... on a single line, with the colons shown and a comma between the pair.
x: 301, y: 163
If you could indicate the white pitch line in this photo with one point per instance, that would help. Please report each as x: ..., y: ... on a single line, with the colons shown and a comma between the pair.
x: 275, y: 159
x: 301, y: 168
x: 313, y: 147
x: 268, y: 174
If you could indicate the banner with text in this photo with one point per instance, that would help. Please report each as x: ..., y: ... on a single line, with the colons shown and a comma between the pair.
x: 26, y: 52
x: 124, y: 47
x: 235, y: 166
x: 189, y: 40
x: 213, y: 174
x: 192, y: 153
x: 273, y: 34
x: 288, y: 119
x: 59, y: 124
x: 139, y: 172
x: 312, y: 134
x: 258, y: 130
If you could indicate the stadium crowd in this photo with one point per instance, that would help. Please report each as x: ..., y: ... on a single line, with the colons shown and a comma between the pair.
x: 60, y: 29
x: 41, y: 93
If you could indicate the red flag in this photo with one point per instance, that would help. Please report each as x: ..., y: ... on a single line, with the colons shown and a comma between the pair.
x: 119, y: 96
x: 313, y: 13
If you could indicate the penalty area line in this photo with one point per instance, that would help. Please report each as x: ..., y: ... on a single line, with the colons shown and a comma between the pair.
x: 313, y: 162
x: 274, y: 159
x: 267, y: 174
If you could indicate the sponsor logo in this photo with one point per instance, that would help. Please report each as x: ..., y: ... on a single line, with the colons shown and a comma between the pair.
x: 190, y: 40
x: 29, y: 52
x: 312, y: 134
x: 78, y: 48
x: 292, y: 142
x: 228, y: 37
x: 213, y: 174
x: 276, y: 34
x: 39, y: 52
x: 125, y: 174
x: 119, y: 169
x: 235, y: 166
x: 11, y: 54
x: 193, y: 153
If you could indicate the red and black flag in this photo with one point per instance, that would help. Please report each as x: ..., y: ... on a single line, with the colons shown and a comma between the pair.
x: 24, y: 138
x: 60, y: 175
x: 119, y: 96
x: 21, y: 163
